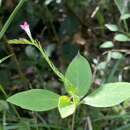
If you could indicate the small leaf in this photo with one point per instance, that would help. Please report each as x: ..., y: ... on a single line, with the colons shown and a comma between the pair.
x: 80, y: 75
x: 112, y: 27
x: 125, y: 16
x: 35, y: 100
x: 19, y: 41
x: 122, y: 6
x: 116, y: 55
x: 107, y: 44
x: 108, y: 95
x: 121, y: 38
x: 66, y: 106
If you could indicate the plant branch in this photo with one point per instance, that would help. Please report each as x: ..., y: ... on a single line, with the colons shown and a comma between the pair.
x: 73, y: 121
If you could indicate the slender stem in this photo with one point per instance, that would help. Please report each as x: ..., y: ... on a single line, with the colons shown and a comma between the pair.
x: 12, y: 16
x: 56, y: 71
x: 3, y: 91
x: 73, y: 121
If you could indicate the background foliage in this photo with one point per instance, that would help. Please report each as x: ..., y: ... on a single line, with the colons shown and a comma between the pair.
x: 64, y: 27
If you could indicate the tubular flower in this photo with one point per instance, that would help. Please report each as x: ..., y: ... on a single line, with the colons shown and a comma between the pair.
x: 26, y: 28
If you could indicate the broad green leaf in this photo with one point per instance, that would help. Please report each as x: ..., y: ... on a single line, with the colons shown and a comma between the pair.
x: 122, y: 6
x: 66, y: 106
x: 116, y: 55
x: 35, y: 100
x: 80, y: 75
x: 121, y: 38
x: 112, y: 27
x: 107, y: 44
x: 109, y: 95
x: 125, y: 16
x: 19, y: 41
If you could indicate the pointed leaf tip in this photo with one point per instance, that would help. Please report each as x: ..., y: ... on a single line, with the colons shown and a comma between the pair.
x: 80, y: 75
x: 109, y: 95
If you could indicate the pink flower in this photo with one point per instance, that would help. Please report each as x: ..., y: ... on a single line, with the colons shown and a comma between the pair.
x: 26, y: 28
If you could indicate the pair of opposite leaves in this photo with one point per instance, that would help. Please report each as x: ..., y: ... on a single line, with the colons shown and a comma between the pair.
x: 80, y: 76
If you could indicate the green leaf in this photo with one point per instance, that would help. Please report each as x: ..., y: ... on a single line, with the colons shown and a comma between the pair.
x: 107, y: 44
x: 109, y: 95
x: 125, y: 16
x: 121, y: 4
x: 116, y: 55
x: 35, y: 100
x: 112, y: 27
x: 80, y: 75
x: 19, y: 41
x: 66, y: 106
x: 121, y: 38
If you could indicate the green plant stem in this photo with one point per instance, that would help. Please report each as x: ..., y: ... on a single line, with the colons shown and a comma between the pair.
x: 35, y: 120
x: 52, y: 66
x: 3, y: 91
x: 56, y: 71
x: 73, y: 121
x: 12, y: 16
